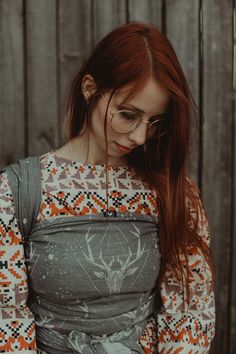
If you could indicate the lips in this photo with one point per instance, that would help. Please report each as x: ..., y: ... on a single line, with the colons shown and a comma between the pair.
x: 122, y: 148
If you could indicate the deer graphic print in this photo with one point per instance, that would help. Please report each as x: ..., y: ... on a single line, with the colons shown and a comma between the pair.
x: 118, y: 267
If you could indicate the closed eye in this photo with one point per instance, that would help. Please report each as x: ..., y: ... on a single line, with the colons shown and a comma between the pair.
x: 129, y: 115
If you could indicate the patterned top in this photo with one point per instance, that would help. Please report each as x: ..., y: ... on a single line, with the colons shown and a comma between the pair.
x: 74, y: 191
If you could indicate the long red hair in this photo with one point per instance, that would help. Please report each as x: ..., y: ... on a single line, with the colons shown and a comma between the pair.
x: 129, y: 55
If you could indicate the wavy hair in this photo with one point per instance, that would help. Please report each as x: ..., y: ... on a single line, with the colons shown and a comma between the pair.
x: 129, y: 55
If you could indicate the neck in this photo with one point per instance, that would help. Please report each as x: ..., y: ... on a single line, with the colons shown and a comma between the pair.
x: 81, y: 149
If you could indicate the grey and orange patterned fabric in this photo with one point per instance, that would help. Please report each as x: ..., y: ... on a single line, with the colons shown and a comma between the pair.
x: 75, y: 194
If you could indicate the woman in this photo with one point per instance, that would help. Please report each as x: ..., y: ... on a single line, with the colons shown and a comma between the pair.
x: 118, y: 259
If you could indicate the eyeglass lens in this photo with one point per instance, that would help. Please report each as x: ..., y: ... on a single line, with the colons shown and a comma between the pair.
x: 127, y: 121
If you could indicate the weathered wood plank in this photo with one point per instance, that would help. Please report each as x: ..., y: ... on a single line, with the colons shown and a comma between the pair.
x: 232, y: 325
x: 12, y: 124
x: 42, y: 102
x: 182, y: 28
x: 106, y: 15
x: 145, y: 11
x: 75, y: 44
x: 217, y: 151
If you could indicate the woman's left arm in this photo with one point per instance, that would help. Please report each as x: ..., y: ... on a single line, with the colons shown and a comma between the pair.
x: 183, y: 329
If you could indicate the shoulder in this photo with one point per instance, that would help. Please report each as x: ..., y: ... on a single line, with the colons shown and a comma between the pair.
x: 41, y: 159
x: 10, y: 174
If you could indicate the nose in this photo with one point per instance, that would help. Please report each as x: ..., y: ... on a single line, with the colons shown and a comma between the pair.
x: 139, y: 134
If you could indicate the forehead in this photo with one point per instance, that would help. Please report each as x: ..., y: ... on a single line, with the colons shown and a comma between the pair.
x: 152, y: 96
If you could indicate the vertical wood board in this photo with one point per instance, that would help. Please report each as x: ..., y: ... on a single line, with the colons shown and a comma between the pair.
x: 146, y: 11
x: 232, y: 333
x: 42, y: 100
x: 182, y: 28
x: 217, y: 150
x: 74, y: 45
x: 106, y: 15
x: 12, y: 124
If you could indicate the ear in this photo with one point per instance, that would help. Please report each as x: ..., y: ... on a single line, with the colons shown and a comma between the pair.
x: 89, y: 86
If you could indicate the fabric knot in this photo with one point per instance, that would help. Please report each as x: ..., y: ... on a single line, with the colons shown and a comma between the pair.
x: 80, y: 343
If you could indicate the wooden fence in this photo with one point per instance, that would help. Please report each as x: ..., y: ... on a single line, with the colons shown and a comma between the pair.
x: 42, y: 44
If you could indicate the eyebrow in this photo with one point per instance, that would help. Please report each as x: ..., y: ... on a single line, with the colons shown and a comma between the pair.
x: 138, y: 109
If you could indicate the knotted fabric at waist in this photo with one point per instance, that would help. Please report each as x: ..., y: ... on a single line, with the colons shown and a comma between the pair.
x: 123, y: 342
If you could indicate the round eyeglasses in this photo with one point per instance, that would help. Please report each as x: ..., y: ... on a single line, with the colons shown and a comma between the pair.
x: 126, y: 121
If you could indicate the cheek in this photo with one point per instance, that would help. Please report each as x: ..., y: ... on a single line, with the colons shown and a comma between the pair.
x: 99, y: 130
x: 110, y: 132
x: 98, y: 118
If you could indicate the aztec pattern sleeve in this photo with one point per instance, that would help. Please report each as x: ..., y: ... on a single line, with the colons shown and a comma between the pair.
x: 183, y: 329
x: 17, y: 328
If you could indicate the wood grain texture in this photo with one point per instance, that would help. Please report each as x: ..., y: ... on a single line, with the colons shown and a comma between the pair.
x: 232, y: 334
x: 106, y: 15
x: 182, y: 28
x: 75, y: 41
x: 12, y: 124
x: 146, y: 11
x: 42, y: 100
x: 217, y: 151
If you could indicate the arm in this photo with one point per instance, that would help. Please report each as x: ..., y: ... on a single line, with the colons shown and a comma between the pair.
x: 17, y: 329
x: 192, y: 329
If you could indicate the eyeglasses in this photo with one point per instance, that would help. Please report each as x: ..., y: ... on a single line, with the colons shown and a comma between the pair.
x: 126, y: 121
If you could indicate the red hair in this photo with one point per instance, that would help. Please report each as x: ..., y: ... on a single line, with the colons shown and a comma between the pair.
x: 129, y: 55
